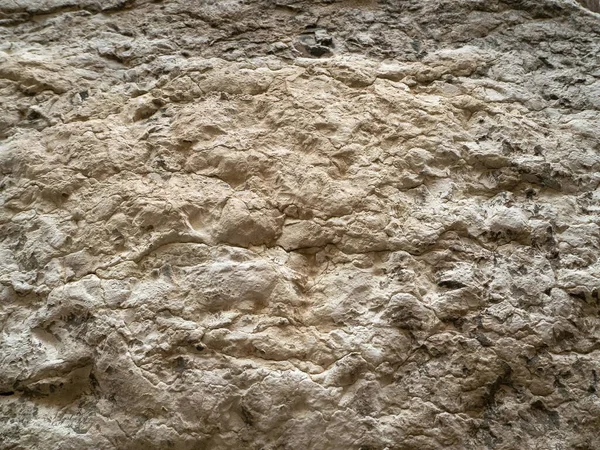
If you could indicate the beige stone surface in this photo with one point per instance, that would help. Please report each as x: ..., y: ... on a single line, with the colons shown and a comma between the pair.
x: 299, y: 224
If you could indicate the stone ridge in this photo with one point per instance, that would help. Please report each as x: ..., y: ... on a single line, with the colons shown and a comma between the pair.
x: 593, y: 5
x: 353, y: 224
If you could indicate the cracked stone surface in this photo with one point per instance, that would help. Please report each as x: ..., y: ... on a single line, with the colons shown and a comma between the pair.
x: 299, y: 224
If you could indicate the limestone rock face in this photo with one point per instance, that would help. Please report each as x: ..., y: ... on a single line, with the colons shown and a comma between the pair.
x: 293, y: 224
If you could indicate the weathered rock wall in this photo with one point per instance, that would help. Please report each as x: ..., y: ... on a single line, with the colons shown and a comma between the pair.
x: 299, y: 224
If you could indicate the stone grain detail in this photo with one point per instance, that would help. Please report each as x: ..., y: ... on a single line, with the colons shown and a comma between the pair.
x: 299, y: 224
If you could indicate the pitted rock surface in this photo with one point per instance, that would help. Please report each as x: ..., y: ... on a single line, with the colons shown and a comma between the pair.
x: 299, y: 224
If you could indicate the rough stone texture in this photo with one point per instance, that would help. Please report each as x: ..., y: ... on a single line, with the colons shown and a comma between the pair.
x: 299, y: 224
x: 593, y: 5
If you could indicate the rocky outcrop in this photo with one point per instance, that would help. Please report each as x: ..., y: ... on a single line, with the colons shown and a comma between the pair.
x: 299, y: 224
